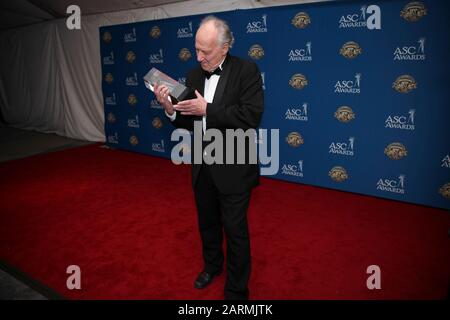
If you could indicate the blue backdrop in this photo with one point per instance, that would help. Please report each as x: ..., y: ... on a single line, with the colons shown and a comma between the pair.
x: 358, y: 90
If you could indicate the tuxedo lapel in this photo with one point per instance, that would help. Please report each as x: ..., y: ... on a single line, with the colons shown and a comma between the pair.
x: 198, y: 81
x: 222, y: 81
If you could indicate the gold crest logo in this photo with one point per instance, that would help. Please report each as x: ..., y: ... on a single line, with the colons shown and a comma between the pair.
x: 344, y: 114
x: 111, y: 117
x: 413, y: 11
x: 301, y: 20
x: 155, y: 32
x: 256, y: 52
x: 131, y: 56
x: 404, y: 84
x: 445, y: 190
x: 298, y: 81
x: 294, y: 139
x: 338, y: 174
x: 134, y: 140
x: 157, y: 123
x: 109, y: 78
x: 184, y: 54
x: 395, y: 151
x: 107, y: 37
x: 350, y: 50
x: 132, y: 100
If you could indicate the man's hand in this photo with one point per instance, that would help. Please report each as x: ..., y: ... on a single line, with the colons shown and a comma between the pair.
x: 162, y: 95
x: 193, y: 107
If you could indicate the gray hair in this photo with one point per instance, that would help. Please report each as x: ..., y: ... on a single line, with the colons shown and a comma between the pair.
x: 225, y: 34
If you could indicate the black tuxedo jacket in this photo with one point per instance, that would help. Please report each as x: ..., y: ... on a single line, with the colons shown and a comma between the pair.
x: 238, y: 104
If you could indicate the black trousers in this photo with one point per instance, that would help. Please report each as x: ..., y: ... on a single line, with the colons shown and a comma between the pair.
x: 218, y: 213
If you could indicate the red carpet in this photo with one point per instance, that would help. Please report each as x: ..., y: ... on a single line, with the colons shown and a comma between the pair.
x: 129, y: 221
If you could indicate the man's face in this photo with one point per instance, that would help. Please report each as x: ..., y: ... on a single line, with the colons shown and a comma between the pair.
x: 209, y: 52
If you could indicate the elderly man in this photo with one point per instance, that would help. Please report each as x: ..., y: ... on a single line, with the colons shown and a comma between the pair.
x: 229, y: 95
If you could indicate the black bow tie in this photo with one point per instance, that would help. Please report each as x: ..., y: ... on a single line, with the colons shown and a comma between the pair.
x: 209, y: 74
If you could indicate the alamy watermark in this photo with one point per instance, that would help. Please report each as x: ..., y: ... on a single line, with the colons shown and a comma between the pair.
x: 74, y: 280
x: 236, y: 151
x: 374, y: 280
x: 73, y: 22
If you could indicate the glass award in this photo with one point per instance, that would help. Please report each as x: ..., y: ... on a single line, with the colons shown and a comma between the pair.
x: 178, y: 91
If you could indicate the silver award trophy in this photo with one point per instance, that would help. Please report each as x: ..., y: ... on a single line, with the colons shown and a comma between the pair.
x: 178, y: 91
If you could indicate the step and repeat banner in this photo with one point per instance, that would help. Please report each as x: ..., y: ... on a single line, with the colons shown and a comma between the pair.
x: 359, y: 91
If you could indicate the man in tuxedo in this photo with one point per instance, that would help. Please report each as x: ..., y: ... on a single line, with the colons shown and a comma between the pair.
x: 229, y: 95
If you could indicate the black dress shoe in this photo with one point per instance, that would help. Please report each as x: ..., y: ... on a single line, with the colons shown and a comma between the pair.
x: 204, y: 279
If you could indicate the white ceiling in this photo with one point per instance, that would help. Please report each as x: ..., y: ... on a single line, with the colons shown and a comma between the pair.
x: 17, y: 13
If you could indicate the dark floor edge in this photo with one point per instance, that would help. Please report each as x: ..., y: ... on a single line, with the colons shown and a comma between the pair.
x: 30, y: 282
x: 72, y: 145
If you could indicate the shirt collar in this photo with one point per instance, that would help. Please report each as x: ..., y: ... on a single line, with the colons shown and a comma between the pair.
x: 222, y: 63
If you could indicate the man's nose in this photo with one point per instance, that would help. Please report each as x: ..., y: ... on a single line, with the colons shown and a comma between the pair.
x: 200, y: 57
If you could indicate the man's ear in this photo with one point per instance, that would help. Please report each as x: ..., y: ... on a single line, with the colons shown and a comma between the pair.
x: 225, y: 48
